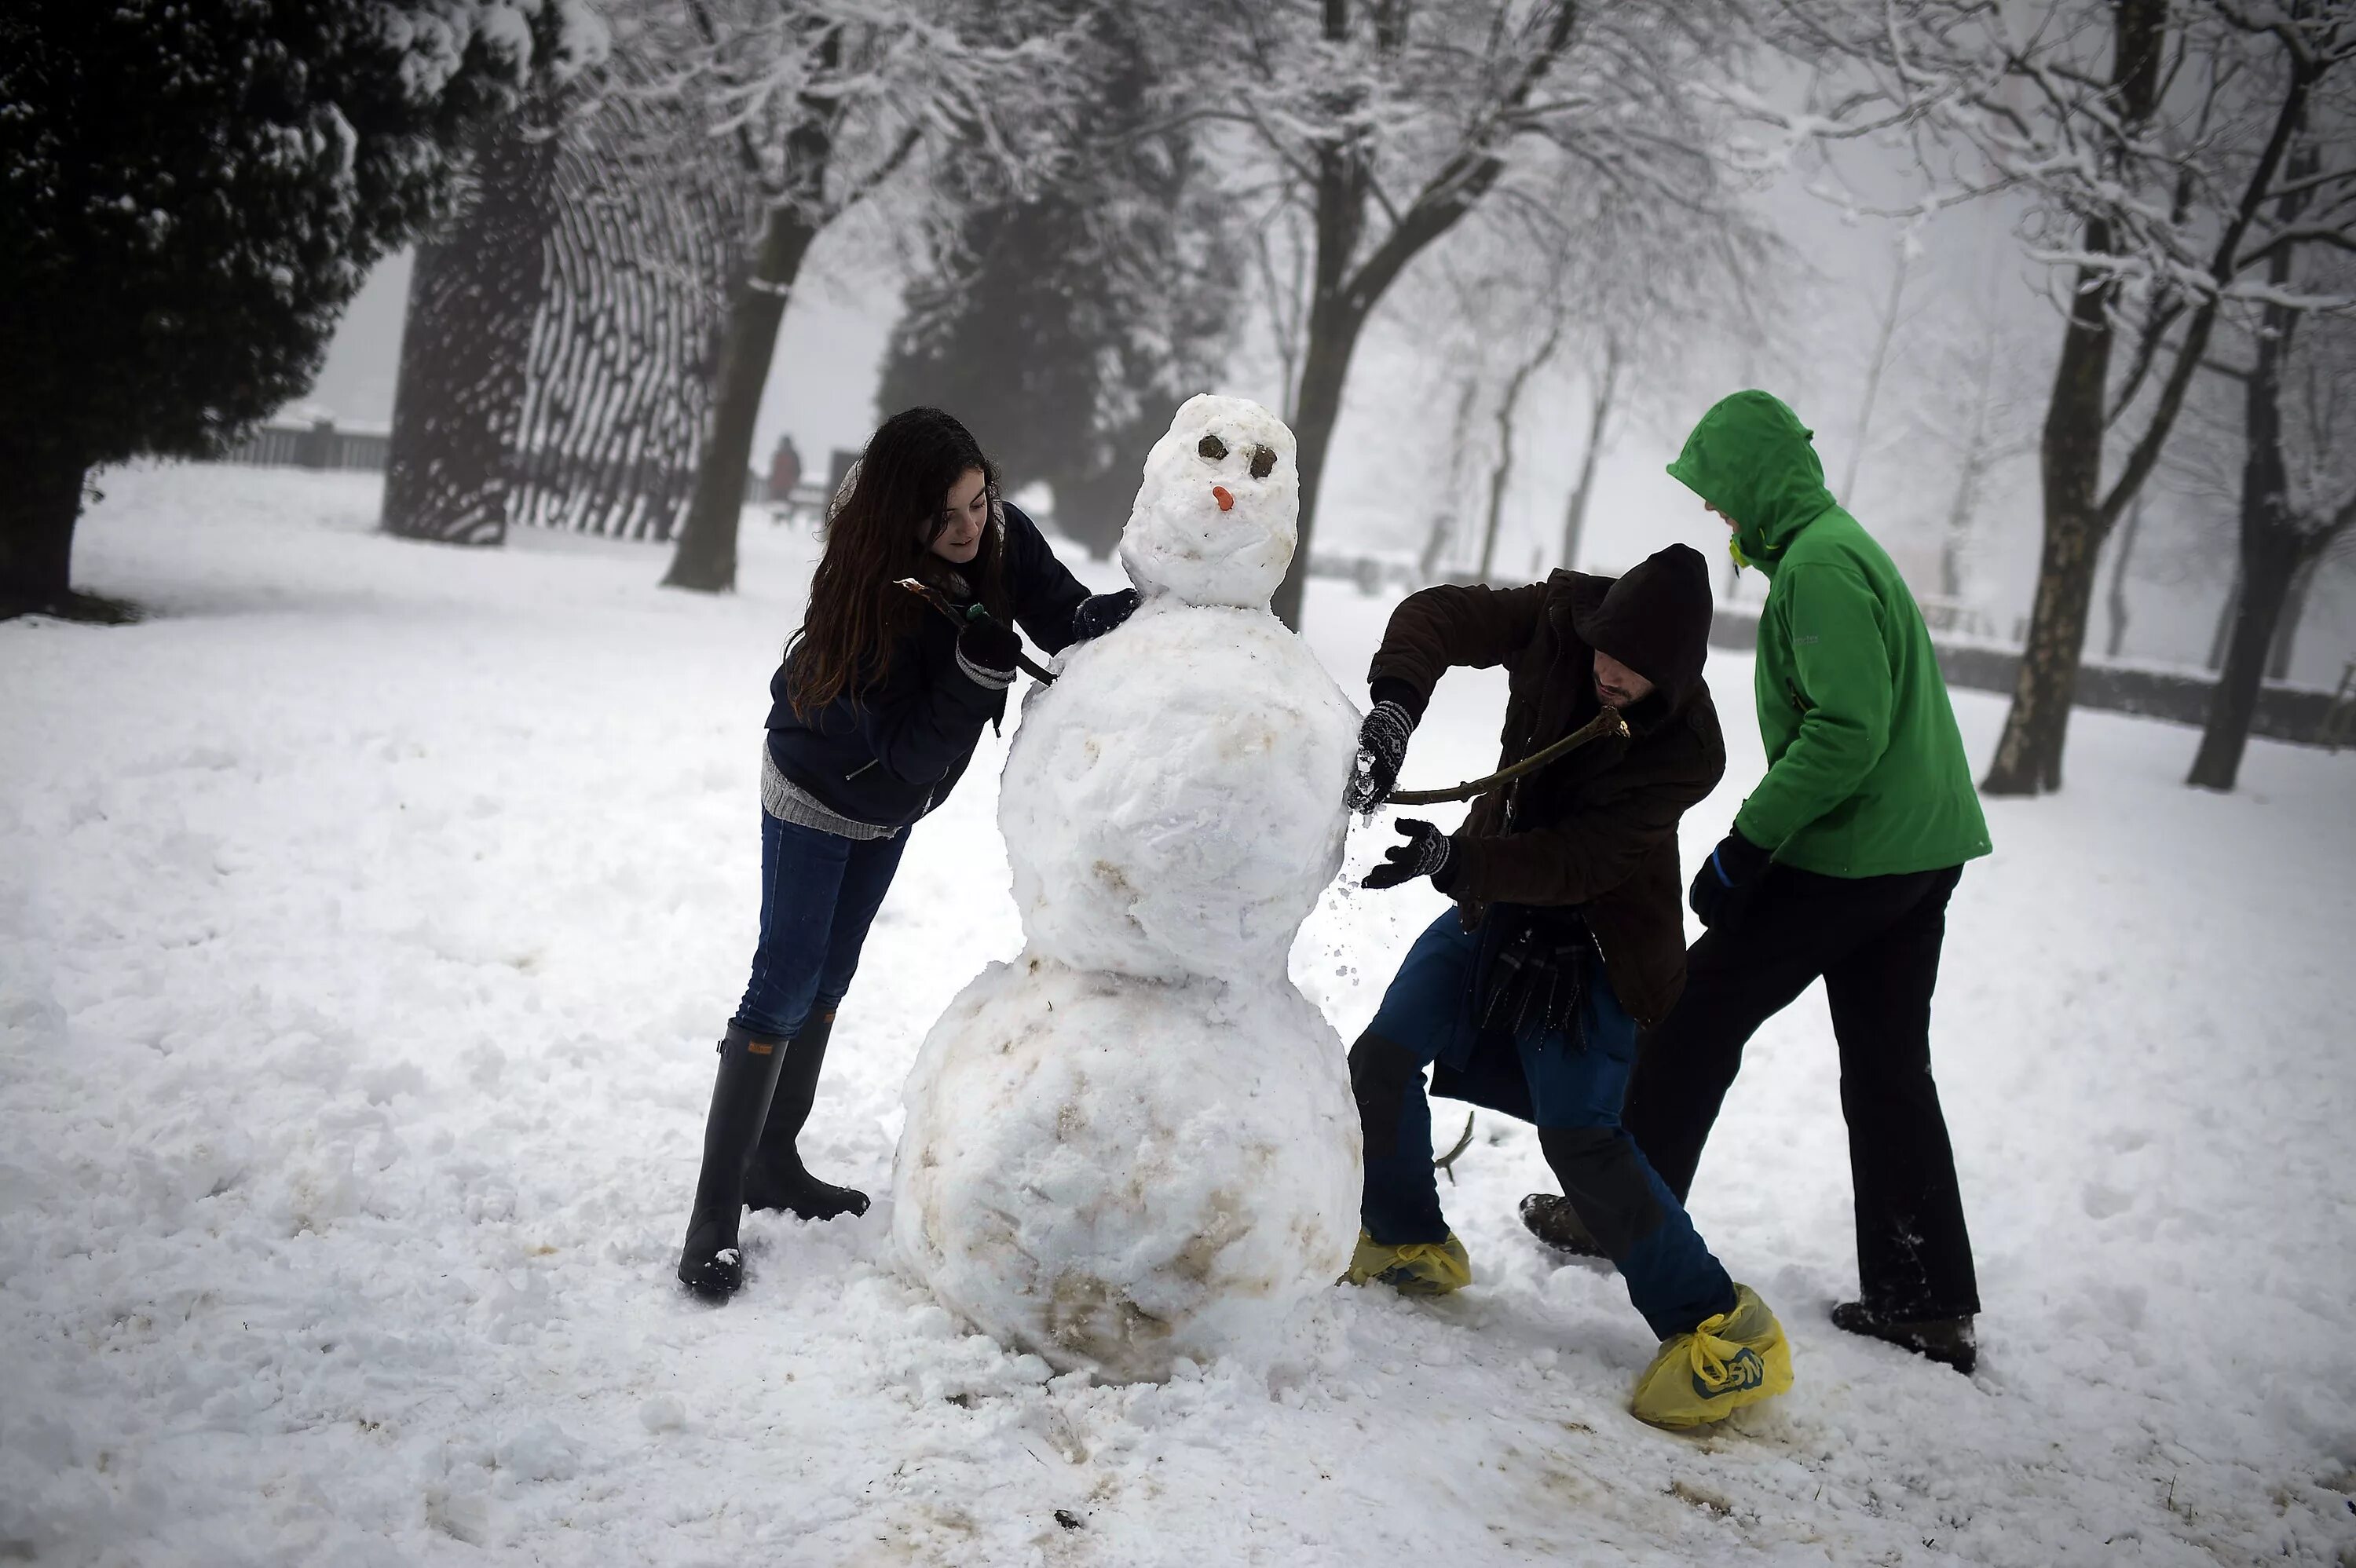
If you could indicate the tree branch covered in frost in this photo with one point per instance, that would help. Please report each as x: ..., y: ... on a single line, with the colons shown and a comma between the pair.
x: 1436, y: 101
x: 2166, y: 185
x: 1991, y: 106
x: 873, y: 81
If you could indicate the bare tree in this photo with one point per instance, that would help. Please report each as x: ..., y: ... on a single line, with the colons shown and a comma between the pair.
x: 2150, y: 142
x: 1603, y: 398
x: 1966, y: 404
x: 2118, y: 591
x: 1280, y: 256
x: 1395, y: 122
x: 2299, y: 488
x: 1885, y: 331
x: 1501, y: 473
x: 824, y: 102
x: 1574, y: 270
x: 1440, y: 537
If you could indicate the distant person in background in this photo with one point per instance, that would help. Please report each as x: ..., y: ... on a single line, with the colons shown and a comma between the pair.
x: 875, y: 713
x: 784, y: 473
x: 1839, y: 864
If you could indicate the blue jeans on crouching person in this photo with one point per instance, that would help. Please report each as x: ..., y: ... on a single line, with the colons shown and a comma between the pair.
x: 819, y: 893
x: 1570, y: 1082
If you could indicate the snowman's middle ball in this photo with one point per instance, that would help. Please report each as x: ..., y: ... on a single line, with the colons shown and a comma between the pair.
x: 1173, y: 804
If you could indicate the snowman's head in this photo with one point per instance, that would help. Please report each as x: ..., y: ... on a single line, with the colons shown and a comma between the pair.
x: 1217, y: 515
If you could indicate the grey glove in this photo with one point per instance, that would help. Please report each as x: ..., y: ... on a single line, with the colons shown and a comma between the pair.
x: 1381, y: 747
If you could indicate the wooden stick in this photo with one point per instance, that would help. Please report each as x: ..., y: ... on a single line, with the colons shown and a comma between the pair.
x: 940, y: 600
x: 1607, y: 722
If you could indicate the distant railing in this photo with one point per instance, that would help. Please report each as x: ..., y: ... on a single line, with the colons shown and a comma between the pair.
x: 2285, y: 712
x: 318, y: 445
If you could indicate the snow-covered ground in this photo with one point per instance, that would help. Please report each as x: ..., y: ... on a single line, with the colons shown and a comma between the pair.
x: 365, y: 917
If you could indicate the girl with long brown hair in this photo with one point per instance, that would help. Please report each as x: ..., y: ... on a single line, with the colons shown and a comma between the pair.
x: 875, y: 713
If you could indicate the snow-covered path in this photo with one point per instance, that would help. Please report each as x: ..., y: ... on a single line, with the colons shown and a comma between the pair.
x: 366, y: 918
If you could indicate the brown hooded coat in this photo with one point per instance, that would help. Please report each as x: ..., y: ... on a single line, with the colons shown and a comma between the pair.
x: 1598, y: 830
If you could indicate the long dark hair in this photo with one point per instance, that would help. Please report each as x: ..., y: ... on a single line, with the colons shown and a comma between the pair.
x: 881, y: 529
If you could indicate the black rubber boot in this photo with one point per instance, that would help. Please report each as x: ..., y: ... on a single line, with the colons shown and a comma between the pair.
x: 710, y: 1263
x: 1950, y: 1342
x: 773, y: 1177
x: 1549, y: 1217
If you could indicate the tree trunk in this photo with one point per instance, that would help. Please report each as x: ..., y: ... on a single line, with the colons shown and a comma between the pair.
x: 2222, y: 637
x: 2285, y: 642
x: 1574, y: 521
x: 1440, y: 537
x: 1501, y: 475
x: 1887, y: 330
x: 706, y: 558
x: 38, y: 508
x: 2029, y: 756
x: 2273, y: 552
x: 2118, y: 591
x: 1955, y: 538
x: 2269, y: 564
x: 1323, y: 370
x: 2270, y: 553
x: 2077, y: 515
x: 466, y: 347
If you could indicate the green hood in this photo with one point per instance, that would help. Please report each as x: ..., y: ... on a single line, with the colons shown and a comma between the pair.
x: 1751, y: 458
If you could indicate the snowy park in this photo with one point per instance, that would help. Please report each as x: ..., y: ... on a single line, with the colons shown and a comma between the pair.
x: 1024, y: 784
x: 370, y: 910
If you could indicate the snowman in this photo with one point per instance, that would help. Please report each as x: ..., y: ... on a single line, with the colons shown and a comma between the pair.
x: 1136, y: 1142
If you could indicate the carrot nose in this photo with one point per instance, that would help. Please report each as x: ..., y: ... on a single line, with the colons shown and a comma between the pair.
x: 1219, y: 493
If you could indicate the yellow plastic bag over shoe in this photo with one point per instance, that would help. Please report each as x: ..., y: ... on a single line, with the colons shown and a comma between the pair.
x: 1729, y: 1361
x: 1415, y: 1268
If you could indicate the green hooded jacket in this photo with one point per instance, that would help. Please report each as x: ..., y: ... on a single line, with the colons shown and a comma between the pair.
x: 1866, y: 773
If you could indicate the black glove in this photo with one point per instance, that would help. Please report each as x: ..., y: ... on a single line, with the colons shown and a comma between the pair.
x: 1101, y: 615
x: 1382, y: 746
x: 1425, y: 853
x: 1722, y: 888
x: 989, y: 653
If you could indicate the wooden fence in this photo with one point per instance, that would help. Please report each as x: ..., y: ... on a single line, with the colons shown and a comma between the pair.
x: 317, y: 446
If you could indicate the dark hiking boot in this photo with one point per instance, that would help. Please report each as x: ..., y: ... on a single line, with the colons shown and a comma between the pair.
x: 710, y: 1263
x: 1549, y: 1217
x: 1946, y: 1340
x: 773, y: 1177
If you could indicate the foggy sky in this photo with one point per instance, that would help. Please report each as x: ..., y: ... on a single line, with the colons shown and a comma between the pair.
x: 1383, y: 478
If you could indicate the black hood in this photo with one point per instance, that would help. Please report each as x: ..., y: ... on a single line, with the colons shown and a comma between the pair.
x: 1655, y: 620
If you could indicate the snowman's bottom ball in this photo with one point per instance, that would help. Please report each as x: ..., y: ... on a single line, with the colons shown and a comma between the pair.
x: 1113, y: 1173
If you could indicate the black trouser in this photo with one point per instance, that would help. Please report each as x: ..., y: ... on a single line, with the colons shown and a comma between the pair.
x: 1875, y: 941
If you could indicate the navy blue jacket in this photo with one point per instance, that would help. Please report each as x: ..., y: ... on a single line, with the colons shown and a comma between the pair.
x: 893, y: 750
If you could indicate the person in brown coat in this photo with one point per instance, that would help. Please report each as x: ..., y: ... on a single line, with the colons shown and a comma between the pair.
x: 1567, y: 937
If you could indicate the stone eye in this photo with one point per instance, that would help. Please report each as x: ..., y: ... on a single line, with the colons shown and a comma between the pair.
x: 1263, y: 461
x: 1212, y: 448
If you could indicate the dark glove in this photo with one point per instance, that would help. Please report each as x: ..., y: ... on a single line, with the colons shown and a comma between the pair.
x: 1101, y: 615
x: 989, y: 653
x: 1722, y: 888
x: 1382, y: 746
x: 1425, y: 853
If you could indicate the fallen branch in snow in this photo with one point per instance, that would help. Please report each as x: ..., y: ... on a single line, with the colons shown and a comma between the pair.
x: 1447, y: 1162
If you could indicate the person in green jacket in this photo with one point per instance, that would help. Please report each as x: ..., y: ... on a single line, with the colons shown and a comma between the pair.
x: 1839, y: 865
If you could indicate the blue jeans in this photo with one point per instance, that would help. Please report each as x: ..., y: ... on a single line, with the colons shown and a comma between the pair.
x: 819, y: 893
x: 1576, y: 1081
